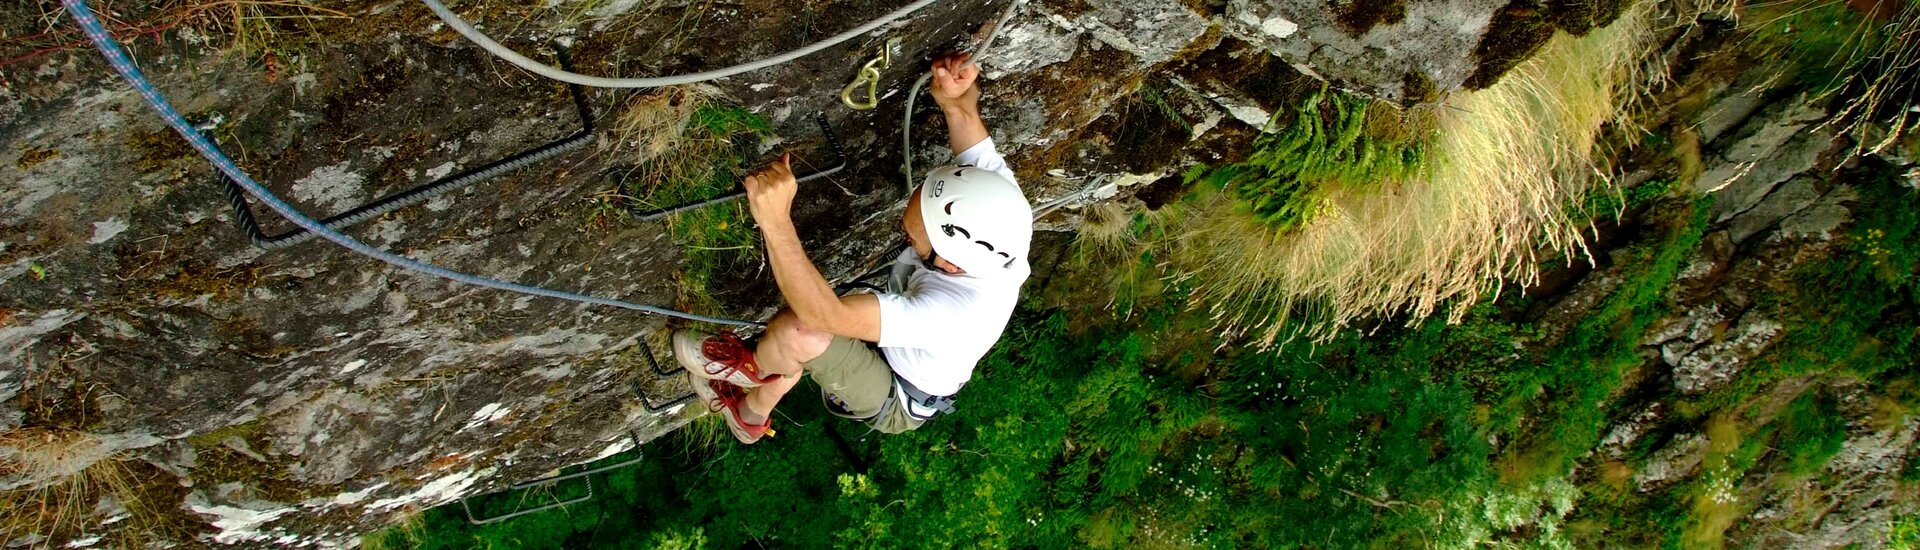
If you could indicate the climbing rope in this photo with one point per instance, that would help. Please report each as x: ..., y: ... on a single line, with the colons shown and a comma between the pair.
x: 124, y: 65
x: 465, y: 29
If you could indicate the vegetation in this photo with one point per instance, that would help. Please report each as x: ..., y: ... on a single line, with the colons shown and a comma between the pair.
x: 688, y: 147
x: 58, y: 476
x: 1854, y: 321
x: 1866, y: 58
x: 251, y: 29
x: 1326, y: 145
x: 1082, y: 429
x: 1352, y: 212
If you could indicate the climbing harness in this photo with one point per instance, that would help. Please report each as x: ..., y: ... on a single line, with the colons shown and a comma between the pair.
x: 869, y: 76
x: 585, y: 476
x: 122, y: 64
x: 917, y: 400
x: 465, y: 29
x: 243, y: 212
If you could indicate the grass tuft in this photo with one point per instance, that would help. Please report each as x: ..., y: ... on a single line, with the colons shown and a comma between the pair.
x: 57, y: 478
x: 1350, y: 236
x: 685, y: 145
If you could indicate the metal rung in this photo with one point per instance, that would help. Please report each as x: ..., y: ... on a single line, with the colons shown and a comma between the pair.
x: 833, y: 143
x: 659, y: 373
x: 549, y: 481
x: 243, y: 210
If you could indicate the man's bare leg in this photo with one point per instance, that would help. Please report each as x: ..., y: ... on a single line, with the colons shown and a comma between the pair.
x: 786, y: 344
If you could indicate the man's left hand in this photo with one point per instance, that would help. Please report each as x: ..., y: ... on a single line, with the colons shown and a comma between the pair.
x: 770, y: 192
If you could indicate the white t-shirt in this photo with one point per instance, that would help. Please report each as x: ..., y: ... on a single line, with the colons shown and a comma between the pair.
x: 935, y: 327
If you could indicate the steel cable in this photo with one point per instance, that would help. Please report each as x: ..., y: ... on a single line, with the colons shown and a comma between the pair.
x: 122, y: 64
x: 498, y: 50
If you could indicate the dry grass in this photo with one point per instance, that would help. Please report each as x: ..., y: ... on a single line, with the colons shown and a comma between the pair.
x: 1491, y: 206
x: 1885, y: 69
x: 57, y: 478
x: 246, y: 27
x: 655, y: 127
x: 251, y: 26
x: 1106, y: 228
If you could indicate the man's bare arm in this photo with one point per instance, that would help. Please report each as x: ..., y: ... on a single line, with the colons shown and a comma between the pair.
x: 956, y: 88
x: 770, y: 197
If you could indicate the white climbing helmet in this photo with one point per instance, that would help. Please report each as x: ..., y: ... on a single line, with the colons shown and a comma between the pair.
x: 978, y: 220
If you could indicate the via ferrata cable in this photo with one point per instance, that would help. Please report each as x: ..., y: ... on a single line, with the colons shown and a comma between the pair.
x: 121, y: 63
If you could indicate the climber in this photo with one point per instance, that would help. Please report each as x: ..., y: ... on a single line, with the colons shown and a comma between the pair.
x: 895, y: 359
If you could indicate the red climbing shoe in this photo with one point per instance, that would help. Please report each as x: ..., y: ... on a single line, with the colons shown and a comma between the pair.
x: 718, y: 357
x: 726, y: 399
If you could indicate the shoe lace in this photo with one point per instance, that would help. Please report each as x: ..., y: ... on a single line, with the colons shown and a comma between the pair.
x: 730, y: 397
x: 729, y: 350
x: 725, y: 395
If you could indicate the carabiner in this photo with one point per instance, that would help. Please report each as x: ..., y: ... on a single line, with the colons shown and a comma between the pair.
x: 870, y: 76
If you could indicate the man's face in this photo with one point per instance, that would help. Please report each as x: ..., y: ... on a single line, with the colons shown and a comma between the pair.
x: 915, y: 227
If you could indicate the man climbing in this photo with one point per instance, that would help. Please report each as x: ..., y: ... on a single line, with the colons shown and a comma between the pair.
x: 894, y: 359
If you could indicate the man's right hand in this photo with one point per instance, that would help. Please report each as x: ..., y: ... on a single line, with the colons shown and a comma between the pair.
x: 770, y: 193
x: 955, y: 82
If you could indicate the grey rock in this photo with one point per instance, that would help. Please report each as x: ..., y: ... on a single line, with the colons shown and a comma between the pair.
x: 1727, y: 113
x: 1031, y: 42
x: 237, y: 517
x: 1823, y: 217
x: 1773, y: 148
x: 1710, y: 261
x: 1714, y: 364
x: 1151, y: 30
x: 1743, y: 184
x: 1436, y: 40
x: 1621, y: 436
x: 1698, y: 324
x: 1762, y: 135
x: 15, y: 339
x: 1677, y: 338
x: 1862, y: 490
x: 176, y: 457
x: 1232, y: 102
x: 1675, y: 461
x: 1788, y: 199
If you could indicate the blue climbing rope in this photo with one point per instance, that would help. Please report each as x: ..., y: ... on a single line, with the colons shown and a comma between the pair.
x: 124, y: 65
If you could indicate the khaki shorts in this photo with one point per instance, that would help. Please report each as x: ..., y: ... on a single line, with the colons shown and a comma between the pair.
x: 857, y: 383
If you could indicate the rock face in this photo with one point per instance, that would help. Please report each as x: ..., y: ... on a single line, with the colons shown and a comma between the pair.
x: 1403, y: 51
x: 1779, y: 190
x: 302, y: 396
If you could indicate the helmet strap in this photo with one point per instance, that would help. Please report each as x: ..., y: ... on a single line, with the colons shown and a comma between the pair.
x: 932, y: 263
